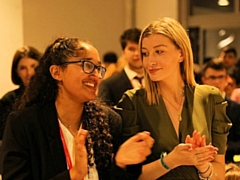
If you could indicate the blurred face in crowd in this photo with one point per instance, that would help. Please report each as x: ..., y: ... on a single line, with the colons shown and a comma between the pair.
x: 26, y: 69
x: 217, y: 78
x: 76, y: 81
x: 132, y: 56
x: 229, y: 59
x: 231, y: 85
x: 161, y: 57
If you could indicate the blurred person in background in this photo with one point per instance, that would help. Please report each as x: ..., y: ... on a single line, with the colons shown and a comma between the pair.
x: 25, y: 60
x: 110, y: 63
x: 215, y: 74
x: 232, y: 171
x: 230, y: 59
x: 112, y: 89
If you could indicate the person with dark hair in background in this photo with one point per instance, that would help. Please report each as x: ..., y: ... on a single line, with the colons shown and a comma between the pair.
x: 230, y: 59
x: 233, y: 82
x: 215, y: 74
x: 187, y: 120
x: 232, y: 171
x: 110, y: 63
x: 25, y: 60
x: 59, y: 131
x: 112, y: 89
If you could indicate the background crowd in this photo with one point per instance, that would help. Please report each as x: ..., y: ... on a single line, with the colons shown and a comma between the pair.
x: 136, y: 116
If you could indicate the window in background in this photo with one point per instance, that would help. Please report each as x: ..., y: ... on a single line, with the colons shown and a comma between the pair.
x: 198, y: 7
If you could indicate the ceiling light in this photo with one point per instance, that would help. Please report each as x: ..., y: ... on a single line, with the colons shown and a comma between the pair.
x: 223, y: 2
x: 222, y: 32
x: 225, y: 42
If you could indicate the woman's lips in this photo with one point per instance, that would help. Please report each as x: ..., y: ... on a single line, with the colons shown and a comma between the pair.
x: 153, y: 71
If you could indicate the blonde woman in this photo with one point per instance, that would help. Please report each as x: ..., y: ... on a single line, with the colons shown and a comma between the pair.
x: 172, y: 107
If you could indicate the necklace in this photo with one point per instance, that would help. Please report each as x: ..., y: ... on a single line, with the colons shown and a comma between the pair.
x: 68, y: 125
x: 179, y: 108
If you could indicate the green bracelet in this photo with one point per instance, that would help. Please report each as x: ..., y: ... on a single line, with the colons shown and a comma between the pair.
x: 163, y: 154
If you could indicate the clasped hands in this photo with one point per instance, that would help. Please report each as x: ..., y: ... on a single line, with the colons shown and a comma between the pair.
x: 193, y: 152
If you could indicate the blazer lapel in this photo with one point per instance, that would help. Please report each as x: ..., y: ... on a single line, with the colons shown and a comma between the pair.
x: 126, y: 81
x: 50, y: 121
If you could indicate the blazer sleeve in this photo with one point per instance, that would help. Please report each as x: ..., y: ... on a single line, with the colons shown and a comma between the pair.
x: 15, y: 150
x: 104, y: 92
x: 127, y: 111
x: 221, y: 124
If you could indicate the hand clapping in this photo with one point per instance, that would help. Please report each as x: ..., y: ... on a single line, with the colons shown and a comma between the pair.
x: 134, y: 150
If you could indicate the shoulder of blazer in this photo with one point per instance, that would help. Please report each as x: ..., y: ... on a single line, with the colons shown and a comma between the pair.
x: 121, y: 76
x: 205, y: 91
x: 38, y: 114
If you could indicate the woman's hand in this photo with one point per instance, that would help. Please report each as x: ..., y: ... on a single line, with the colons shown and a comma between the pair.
x: 134, y: 150
x: 198, y: 142
x: 80, y: 169
x: 184, y: 154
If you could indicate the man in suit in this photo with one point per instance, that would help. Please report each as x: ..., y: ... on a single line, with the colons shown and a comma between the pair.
x: 215, y: 73
x: 112, y: 89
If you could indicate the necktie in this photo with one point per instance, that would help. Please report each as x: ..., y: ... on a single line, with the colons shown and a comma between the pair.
x: 139, y: 79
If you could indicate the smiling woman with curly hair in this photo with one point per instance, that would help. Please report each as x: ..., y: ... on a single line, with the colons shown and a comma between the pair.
x: 59, y: 130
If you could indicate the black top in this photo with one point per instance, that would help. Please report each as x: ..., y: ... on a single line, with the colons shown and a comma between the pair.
x: 6, y: 106
x: 112, y: 89
x: 233, y: 140
x: 32, y: 146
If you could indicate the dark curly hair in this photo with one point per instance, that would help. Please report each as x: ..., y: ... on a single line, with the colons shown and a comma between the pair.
x: 43, y: 88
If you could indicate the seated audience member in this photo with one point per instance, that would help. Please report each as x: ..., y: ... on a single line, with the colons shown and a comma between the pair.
x: 232, y: 172
x: 25, y: 60
x: 112, y: 89
x: 215, y: 74
x: 59, y: 131
x: 110, y: 63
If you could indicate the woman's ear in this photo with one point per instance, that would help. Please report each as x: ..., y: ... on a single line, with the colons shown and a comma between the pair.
x: 181, y: 57
x: 55, y: 71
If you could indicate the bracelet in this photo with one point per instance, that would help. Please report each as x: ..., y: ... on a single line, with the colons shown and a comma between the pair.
x: 205, y: 171
x: 163, y: 154
x: 209, y: 176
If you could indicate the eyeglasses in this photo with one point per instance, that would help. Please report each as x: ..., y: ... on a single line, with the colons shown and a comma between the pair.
x: 88, y: 67
x: 213, y: 78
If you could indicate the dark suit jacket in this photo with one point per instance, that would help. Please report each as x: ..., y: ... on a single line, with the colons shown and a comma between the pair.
x: 112, y: 88
x: 233, y: 112
x: 7, y: 102
x: 32, y: 147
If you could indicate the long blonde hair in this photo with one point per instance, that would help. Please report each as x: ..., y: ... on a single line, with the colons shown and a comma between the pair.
x: 176, y: 33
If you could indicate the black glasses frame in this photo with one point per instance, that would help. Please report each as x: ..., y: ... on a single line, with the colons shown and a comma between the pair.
x: 101, y: 70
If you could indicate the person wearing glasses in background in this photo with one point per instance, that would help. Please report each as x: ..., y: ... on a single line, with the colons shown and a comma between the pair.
x: 131, y: 76
x: 59, y: 131
x: 215, y: 74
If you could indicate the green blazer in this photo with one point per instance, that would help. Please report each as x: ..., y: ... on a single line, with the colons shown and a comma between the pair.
x: 203, y: 110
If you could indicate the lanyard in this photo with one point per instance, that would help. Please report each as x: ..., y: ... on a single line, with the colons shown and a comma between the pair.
x: 66, y: 152
x: 68, y: 159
